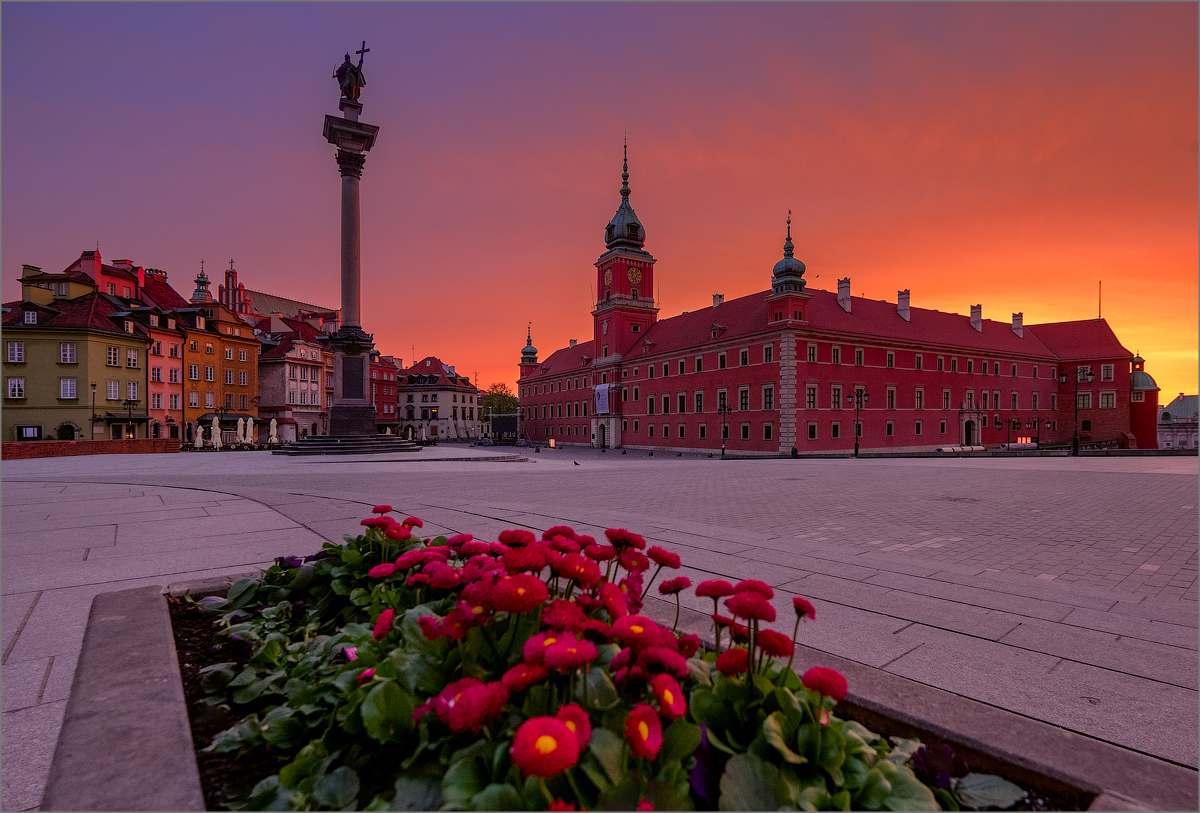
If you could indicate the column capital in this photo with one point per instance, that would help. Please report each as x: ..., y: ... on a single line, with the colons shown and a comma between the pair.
x: 350, y: 164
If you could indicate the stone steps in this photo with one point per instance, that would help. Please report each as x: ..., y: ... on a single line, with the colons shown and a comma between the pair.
x: 333, y: 444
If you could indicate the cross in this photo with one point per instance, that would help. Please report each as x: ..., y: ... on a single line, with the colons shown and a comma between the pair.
x: 362, y: 54
x: 231, y: 265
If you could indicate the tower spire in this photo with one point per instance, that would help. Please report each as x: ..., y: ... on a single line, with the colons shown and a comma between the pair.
x: 788, y: 247
x: 625, y: 173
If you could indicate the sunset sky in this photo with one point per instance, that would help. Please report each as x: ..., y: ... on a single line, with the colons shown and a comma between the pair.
x: 1012, y: 155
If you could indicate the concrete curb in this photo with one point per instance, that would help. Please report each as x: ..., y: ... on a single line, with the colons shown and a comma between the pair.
x: 126, y: 743
x: 990, y: 739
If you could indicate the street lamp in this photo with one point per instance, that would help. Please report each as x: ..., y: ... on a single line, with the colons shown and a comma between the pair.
x: 723, y: 410
x: 93, y: 423
x: 1080, y: 375
x: 129, y: 404
x: 858, y: 400
x: 1014, y: 423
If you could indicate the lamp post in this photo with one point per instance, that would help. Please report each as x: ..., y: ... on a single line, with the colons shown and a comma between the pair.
x: 1080, y: 375
x: 723, y: 410
x: 858, y: 400
x: 129, y: 404
x: 1014, y: 423
x: 93, y: 421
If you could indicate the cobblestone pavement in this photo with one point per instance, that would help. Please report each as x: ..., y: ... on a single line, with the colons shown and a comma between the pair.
x: 1061, y: 589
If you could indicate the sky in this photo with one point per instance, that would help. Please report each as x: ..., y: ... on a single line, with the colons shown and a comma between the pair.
x: 1014, y: 155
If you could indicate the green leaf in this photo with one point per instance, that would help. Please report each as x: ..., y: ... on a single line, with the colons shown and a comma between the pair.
x: 607, y: 748
x: 983, y: 791
x: 907, y: 791
x: 700, y: 670
x: 462, y: 781
x: 903, y: 749
x: 419, y: 672
x: 715, y: 740
x: 337, y: 790
x: 497, y: 797
x: 340, y: 586
x: 240, y: 593
x: 875, y: 788
x: 419, y: 793
x: 280, y: 728
x: 601, y: 693
x: 945, y: 799
x: 592, y: 770
x: 251, y: 692
x: 773, y: 729
x: 387, y: 711
x: 268, y: 795
x: 303, y: 766
x: 705, y: 707
x: 360, y: 597
x: 749, y: 784
x: 854, y: 773
x: 680, y: 740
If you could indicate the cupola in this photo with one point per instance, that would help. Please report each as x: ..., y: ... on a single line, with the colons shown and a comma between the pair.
x: 788, y: 274
x: 201, y: 294
x: 625, y: 230
x: 529, y: 352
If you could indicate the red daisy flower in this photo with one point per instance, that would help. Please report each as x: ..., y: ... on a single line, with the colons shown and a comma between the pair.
x: 668, y: 659
x: 663, y: 557
x: 381, y: 571
x: 383, y: 624
x: 804, y: 608
x: 673, y: 586
x: 578, y: 567
x: 750, y: 605
x: 644, y: 804
x: 689, y: 645
x: 588, y: 603
x: 714, y: 588
x: 776, y: 644
x: 733, y: 661
x: 559, y: 804
x: 829, y: 682
x: 629, y: 676
x: 517, y: 560
x: 755, y: 586
x: 376, y: 522
x: 431, y: 628
x: 644, y: 731
x: 365, y: 675
x: 633, y: 560
x: 575, y: 718
x: 474, y: 706
x: 613, y: 599
x: 636, y: 631
x: 564, y: 545
x: 416, y: 580
x: 524, y: 675
x: 382, y: 509
x: 517, y: 537
x: 534, y: 650
x: 600, y: 553
x: 397, y: 532
x: 563, y: 615
x: 598, y: 627
x: 671, y: 702
x: 521, y: 593
x: 631, y: 586
x: 472, y: 548
x: 458, y: 622
x: 558, y: 530
x: 544, y: 746
x: 478, y: 594
x: 450, y: 695
x: 413, y: 522
x: 441, y: 575
x: 569, y: 653
x: 622, y: 538
x: 409, y: 560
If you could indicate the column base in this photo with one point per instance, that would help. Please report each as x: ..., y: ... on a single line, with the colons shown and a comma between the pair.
x: 352, y: 420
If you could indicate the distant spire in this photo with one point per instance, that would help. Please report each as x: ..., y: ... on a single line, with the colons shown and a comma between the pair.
x: 788, y: 248
x: 529, y: 334
x: 625, y: 172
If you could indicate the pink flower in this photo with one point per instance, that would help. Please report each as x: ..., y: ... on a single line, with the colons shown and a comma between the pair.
x: 622, y: 538
x: 663, y: 557
x: 521, y: 593
x: 714, y: 588
x: 600, y: 553
x: 517, y: 537
x: 689, y: 645
x: 558, y: 530
x: 755, y: 586
x: 633, y: 560
x: 668, y: 659
x: 676, y: 585
x: 431, y: 628
x: 382, y: 571
x: 644, y: 804
x: 535, y: 647
x: 776, y: 644
x: 750, y: 605
x: 636, y: 631
x: 413, y: 522
x: 397, y: 532
x: 383, y: 624
x: 376, y: 522
x: 351, y: 653
x: 733, y: 661
x: 458, y: 540
x: 644, y: 731
x: 569, y: 653
x: 409, y: 560
x: 365, y: 675
x: 670, y: 697
x: 577, y: 720
x: 564, y: 615
x: 804, y: 608
x: 829, y: 682
x: 524, y: 675
x: 614, y: 600
x: 382, y: 509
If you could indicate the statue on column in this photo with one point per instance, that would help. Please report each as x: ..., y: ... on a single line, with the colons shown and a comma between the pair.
x: 350, y: 77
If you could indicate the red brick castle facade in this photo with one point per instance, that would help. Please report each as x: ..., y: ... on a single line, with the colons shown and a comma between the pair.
x: 781, y: 369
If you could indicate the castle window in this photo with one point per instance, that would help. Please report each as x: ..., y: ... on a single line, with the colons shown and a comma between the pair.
x: 917, y: 428
x: 837, y: 355
x: 633, y: 230
x: 812, y: 353
x: 635, y: 293
x: 637, y: 328
x: 919, y: 357
x: 891, y: 359
x: 699, y: 364
x: 970, y: 365
x: 744, y: 358
x: 681, y: 370
x: 954, y: 365
x: 768, y: 353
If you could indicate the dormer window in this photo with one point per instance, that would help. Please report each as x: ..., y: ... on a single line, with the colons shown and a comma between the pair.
x: 609, y: 232
x: 128, y: 326
x: 633, y: 230
x: 31, y: 317
x: 200, y: 323
x: 153, y: 320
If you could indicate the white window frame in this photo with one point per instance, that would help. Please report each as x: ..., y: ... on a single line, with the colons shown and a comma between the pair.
x: 131, y: 358
x: 16, y: 352
x: 66, y: 353
x: 16, y: 388
x: 31, y: 317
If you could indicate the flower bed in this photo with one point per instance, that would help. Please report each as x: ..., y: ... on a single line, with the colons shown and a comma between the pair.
x: 392, y: 672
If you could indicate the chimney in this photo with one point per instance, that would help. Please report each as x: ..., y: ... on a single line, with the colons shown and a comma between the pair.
x: 844, y: 294
x: 977, y: 318
x: 277, y: 324
x: 902, y: 305
x: 126, y: 265
x: 1018, y: 326
x: 30, y: 270
x: 572, y: 344
x: 718, y: 299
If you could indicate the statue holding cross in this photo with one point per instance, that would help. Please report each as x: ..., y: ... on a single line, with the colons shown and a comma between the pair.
x: 350, y: 76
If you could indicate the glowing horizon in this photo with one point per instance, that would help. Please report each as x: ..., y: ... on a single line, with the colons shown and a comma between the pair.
x: 1012, y: 155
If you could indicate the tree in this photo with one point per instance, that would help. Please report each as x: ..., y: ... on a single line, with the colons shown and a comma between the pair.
x: 499, y: 399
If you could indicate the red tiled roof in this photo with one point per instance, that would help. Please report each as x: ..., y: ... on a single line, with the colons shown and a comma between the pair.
x: 163, y: 295
x: 120, y: 273
x: 433, y: 366
x: 89, y: 312
x: 306, y: 331
x: 66, y: 276
x: 1085, y: 339
x: 568, y: 358
x: 280, y: 350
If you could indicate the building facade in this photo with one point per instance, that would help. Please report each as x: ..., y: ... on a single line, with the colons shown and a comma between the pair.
x: 385, y: 370
x: 436, y: 403
x: 814, y: 371
x: 1178, y: 422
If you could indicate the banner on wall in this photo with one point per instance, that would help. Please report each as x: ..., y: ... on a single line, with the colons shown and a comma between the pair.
x: 602, y: 399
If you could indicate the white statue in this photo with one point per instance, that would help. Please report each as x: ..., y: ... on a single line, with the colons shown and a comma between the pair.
x: 274, y: 439
x: 216, y: 434
x: 198, y: 443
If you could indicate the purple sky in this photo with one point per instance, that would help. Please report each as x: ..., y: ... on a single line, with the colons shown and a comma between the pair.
x: 1004, y: 154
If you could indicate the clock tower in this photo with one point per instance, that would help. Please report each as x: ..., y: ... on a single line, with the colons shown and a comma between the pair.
x: 624, y: 281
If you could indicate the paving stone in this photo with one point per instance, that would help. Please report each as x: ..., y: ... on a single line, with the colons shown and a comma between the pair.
x: 992, y: 599
x: 22, y: 680
x: 17, y: 543
x: 1134, y: 627
x: 27, y: 739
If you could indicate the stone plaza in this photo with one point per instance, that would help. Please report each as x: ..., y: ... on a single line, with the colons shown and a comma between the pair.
x: 1060, y: 589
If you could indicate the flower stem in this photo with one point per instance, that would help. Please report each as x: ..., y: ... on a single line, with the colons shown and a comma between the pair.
x: 675, y: 626
x: 795, y: 632
x: 652, y: 578
x: 545, y: 790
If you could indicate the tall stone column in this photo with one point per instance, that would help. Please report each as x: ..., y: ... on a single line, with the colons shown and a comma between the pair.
x: 352, y: 413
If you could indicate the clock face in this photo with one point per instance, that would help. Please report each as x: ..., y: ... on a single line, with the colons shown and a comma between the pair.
x: 608, y: 276
x: 635, y: 275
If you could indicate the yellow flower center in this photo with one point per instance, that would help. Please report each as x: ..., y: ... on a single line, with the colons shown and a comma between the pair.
x: 477, y: 610
x: 520, y: 591
x: 643, y: 730
x: 548, y: 641
x: 570, y: 725
x: 636, y: 629
x: 668, y: 698
x: 545, y: 744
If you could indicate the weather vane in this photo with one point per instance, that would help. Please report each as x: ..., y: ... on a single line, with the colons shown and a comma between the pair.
x: 350, y: 77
